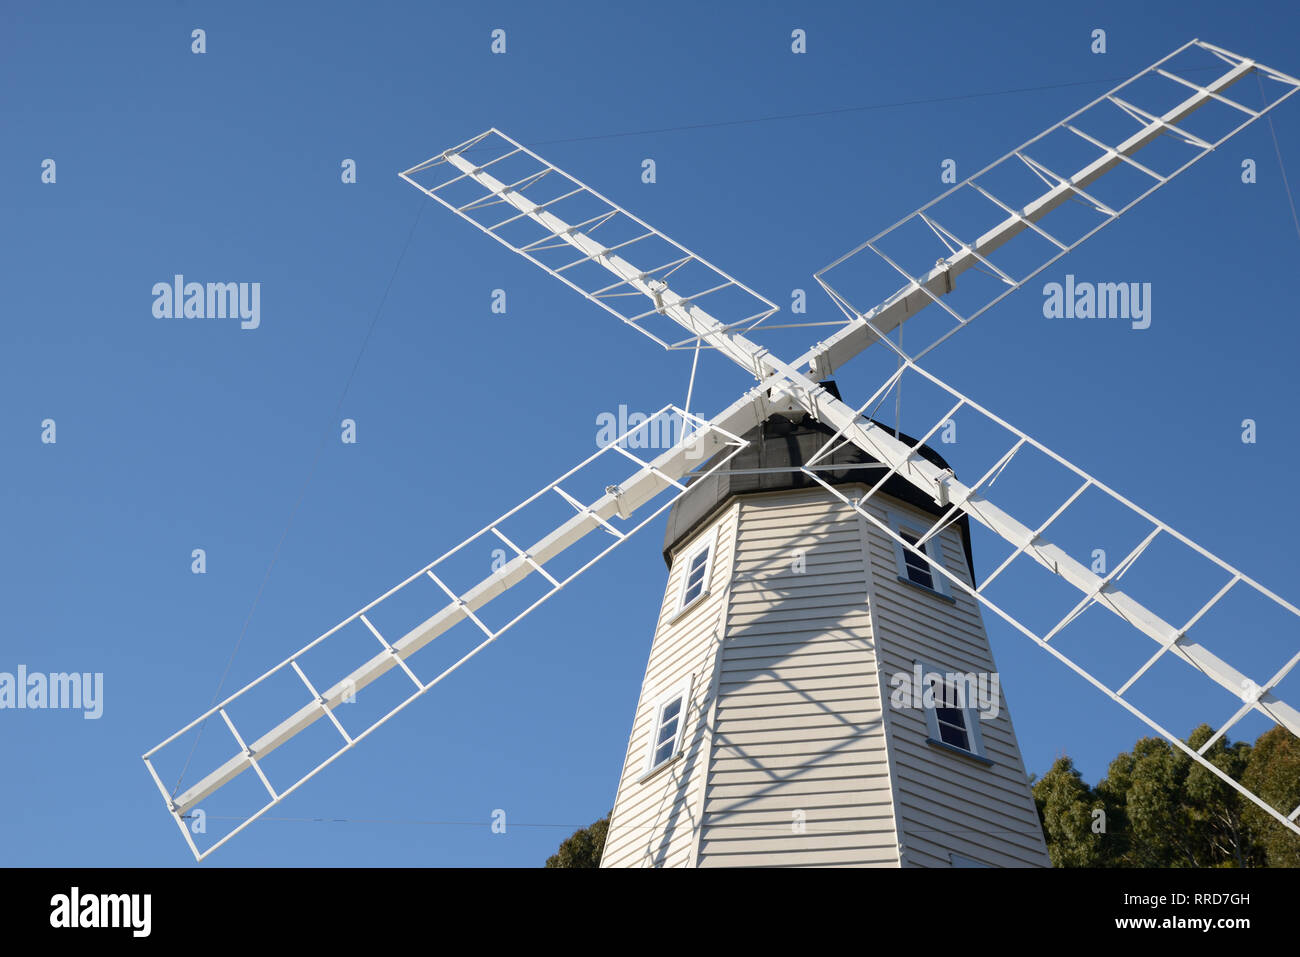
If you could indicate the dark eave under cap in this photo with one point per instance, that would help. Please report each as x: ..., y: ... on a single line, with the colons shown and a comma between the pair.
x: 782, y: 444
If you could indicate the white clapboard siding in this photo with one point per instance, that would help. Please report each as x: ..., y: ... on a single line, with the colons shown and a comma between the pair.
x: 655, y: 822
x: 946, y: 802
x: 794, y: 754
x: 798, y: 773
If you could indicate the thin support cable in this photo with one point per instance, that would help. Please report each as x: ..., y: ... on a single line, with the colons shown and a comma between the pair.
x: 302, y: 493
x: 1278, y: 149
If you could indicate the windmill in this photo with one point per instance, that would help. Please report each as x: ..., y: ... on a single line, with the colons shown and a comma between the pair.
x: 810, y: 543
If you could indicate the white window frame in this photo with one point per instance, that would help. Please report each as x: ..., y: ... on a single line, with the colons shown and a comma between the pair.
x: 708, y: 542
x: 683, y: 691
x: 933, y: 549
x: 970, y: 713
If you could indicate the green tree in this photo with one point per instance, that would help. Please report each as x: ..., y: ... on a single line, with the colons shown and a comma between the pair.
x: 1162, y: 809
x: 1147, y: 786
x: 583, y: 847
x: 1215, y: 808
x: 1273, y: 772
x: 1065, y: 809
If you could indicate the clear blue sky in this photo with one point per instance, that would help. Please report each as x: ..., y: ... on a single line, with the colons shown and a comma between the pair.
x: 175, y: 435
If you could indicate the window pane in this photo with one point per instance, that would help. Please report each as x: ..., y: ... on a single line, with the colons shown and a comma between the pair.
x: 917, y: 562
x: 954, y: 736
x: 663, y: 754
x: 920, y: 576
x: 955, y: 696
x: 671, y: 709
x: 667, y: 731
x: 951, y: 716
x: 917, y: 568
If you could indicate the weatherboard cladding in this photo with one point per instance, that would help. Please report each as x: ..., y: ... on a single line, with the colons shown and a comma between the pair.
x: 947, y: 802
x: 789, y: 713
x: 798, y: 773
x: 655, y: 821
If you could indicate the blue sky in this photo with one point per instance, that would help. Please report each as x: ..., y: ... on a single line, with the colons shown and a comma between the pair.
x: 181, y: 434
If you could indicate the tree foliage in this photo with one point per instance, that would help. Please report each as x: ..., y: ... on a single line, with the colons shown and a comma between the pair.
x: 1274, y: 774
x: 1065, y: 808
x: 1156, y: 807
x: 583, y: 847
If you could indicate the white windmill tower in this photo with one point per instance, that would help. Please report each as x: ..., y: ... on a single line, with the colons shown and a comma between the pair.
x: 783, y: 718
x: 817, y: 556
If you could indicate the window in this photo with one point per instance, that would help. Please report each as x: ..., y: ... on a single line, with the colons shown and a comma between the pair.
x: 668, y: 728
x: 961, y: 860
x: 951, y: 713
x: 921, y: 570
x: 695, y: 576
x: 916, y: 569
x: 949, y: 716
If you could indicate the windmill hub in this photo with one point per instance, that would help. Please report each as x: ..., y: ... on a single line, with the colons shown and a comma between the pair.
x: 785, y: 399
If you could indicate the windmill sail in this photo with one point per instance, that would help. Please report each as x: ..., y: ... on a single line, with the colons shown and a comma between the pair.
x: 658, y: 483
x: 584, y: 240
x: 1020, y: 214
